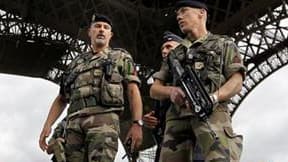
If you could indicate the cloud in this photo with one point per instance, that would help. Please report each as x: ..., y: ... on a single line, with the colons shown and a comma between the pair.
x: 24, y: 106
x: 25, y: 103
x: 262, y: 119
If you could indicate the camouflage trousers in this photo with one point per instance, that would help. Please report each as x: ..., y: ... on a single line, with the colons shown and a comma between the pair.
x: 189, y: 139
x: 92, y: 138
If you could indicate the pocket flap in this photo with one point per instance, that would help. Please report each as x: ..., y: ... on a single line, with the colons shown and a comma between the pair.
x: 229, y: 132
x: 116, y: 78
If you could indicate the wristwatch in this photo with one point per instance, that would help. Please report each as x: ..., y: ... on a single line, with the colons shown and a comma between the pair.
x: 214, y: 98
x: 139, y: 122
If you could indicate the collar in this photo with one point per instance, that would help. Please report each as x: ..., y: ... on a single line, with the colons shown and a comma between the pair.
x: 105, y: 51
x: 102, y: 53
x: 200, y: 40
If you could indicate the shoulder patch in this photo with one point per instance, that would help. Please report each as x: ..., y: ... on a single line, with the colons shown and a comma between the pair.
x: 121, y: 53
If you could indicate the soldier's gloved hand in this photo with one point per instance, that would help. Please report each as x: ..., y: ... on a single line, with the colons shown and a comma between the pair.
x: 177, y: 96
x: 150, y: 120
x: 42, y: 140
x: 135, y: 133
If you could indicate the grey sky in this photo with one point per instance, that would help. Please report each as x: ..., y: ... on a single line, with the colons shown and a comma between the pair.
x: 25, y: 102
x: 262, y: 118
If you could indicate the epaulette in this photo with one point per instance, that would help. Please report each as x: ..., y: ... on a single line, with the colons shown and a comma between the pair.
x: 121, y: 50
x: 75, y: 61
x: 186, y: 43
x: 221, y: 37
x: 181, y: 46
x: 81, y: 55
x: 84, y: 55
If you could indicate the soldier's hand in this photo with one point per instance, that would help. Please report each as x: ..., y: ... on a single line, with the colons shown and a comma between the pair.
x: 177, y: 96
x: 51, y: 143
x: 150, y: 120
x: 42, y: 140
x: 50, y: 147
x: 135, y: 133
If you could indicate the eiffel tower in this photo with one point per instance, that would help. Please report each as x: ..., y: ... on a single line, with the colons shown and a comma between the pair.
x: 39, y: 38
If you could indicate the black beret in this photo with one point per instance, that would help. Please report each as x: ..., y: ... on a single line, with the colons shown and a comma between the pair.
x: 191, y: 3
x: 99, y: 17
x: 169, y: 36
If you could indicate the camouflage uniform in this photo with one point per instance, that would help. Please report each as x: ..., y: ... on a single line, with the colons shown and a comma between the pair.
x: 58, y: 143
x: 216, y: 59
x: 93, y: 85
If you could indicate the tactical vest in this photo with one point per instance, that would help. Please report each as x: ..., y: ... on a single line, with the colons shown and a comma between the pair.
x: 206, y: 58
x: 94, y: 81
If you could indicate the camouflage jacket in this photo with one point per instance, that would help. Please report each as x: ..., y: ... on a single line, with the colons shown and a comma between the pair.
x: 215, y: 58
x: 96, y: 81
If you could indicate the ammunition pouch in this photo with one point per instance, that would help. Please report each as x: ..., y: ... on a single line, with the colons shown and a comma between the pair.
x: 66, y: 82
x: 112, y: 91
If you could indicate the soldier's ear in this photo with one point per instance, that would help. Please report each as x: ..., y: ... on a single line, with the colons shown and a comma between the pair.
x: 202, y: 12
x: 112, y: 34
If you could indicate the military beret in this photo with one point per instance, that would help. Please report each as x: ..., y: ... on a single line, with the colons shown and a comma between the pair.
x: 191, y: 3
x: 169, y: 36
x: 99, y: 17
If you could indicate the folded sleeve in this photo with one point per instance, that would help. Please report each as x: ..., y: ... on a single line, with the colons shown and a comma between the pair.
x: 233, y: 61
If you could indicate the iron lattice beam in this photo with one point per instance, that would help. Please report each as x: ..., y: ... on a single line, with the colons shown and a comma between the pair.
x: 15, y: 33
x: 250, y: 11
x: 132, y: 20
x: 264, y: 49
x: 139, y: 20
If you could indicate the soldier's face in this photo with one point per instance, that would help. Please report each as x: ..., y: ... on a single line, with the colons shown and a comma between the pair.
x: 100, y: 33
x: 167, y: 47
x: 188, y: 18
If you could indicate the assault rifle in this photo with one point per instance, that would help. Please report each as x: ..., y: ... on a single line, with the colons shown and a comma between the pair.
x: 190, y: 83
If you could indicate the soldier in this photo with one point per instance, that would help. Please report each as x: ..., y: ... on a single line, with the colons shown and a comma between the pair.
x: 93, y: 87
x: 156, y: 119
x: 170, y: 41
x: 217, y: 62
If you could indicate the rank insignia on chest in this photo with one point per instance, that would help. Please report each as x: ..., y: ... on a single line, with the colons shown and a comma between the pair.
x: 97, y: 72
x: 199, y: 65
